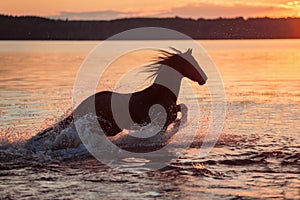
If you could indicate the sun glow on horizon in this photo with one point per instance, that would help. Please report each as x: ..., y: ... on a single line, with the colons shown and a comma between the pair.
x: 293, y: 3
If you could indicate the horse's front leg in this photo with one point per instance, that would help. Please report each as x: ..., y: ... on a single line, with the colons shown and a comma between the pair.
x: 183, y: 109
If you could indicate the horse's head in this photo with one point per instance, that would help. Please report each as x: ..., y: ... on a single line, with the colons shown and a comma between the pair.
x: 185, y: 64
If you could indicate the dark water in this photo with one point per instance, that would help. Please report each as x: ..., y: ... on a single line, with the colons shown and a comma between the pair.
x: 256, y: 157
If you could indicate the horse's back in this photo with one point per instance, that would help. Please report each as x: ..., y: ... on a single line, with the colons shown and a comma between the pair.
x: 93, y: 103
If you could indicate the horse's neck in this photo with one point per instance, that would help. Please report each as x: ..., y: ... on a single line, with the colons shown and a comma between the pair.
x: 169, y: 78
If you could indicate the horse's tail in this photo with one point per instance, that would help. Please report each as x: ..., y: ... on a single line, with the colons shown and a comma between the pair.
x: 54, y: 128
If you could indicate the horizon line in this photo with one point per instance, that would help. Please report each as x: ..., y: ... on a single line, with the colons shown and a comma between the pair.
x: 174, y: 17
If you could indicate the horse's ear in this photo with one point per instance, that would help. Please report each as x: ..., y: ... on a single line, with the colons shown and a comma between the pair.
x: 189, y: 51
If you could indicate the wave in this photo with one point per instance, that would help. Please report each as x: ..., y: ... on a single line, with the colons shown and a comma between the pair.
x: 64, y: 143
x: 61, y: 141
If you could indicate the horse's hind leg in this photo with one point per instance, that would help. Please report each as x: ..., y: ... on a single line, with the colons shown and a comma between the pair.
x: 109, y: 129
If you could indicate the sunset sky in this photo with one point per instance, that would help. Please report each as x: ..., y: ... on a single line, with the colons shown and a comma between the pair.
x: 97, y: 9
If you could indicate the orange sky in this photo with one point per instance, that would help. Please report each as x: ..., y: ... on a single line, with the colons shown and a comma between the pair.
x: 98, y: 9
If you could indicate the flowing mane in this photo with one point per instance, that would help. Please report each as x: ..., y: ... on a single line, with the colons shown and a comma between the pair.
x: 164, y: 58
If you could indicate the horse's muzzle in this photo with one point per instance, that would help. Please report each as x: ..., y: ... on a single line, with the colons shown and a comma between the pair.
x: 201, y: 83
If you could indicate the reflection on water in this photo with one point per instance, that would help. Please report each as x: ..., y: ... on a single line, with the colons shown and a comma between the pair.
x: 257, y: 155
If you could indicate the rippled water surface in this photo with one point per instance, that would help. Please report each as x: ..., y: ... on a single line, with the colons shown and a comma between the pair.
x: 256, y: 157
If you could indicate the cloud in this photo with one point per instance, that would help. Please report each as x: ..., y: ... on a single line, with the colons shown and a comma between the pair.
x: 192, y: 10
x: 93, y: 15
x: 210, y: 10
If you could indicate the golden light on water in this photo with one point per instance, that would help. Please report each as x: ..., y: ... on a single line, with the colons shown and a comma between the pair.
x: 199, y: 166
x: 256, y: 155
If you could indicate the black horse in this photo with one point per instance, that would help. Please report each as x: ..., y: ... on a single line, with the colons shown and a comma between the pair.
x: 167, y: 71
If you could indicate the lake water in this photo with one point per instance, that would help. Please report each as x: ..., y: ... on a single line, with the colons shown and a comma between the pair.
x: 257, y: 155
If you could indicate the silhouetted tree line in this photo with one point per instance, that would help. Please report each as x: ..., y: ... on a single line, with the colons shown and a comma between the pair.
x: 38, y: 28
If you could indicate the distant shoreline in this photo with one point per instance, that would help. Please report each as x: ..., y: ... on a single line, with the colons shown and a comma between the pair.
x: 40, y: 29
